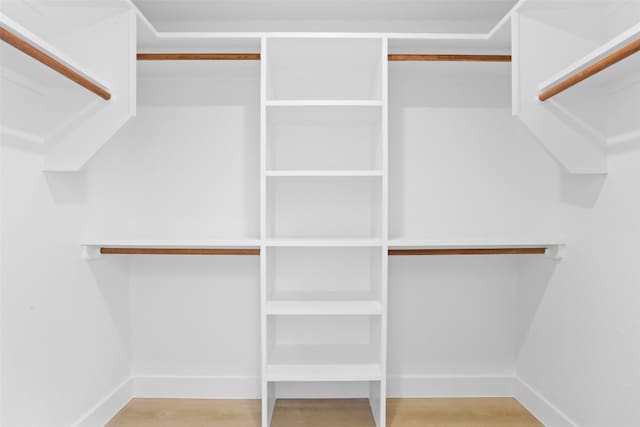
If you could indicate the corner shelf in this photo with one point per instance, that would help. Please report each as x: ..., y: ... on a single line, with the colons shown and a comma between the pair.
x: 615, y: 50
x: 28, y: 43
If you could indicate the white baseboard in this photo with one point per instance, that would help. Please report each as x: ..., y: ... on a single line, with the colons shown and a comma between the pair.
x: 104, y: 410
x: 451, y: 386
x: 547, y: 413
x: 197, y: 387
x: 398, y: 386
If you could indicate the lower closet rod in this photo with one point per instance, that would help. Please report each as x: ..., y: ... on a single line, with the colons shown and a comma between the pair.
x: 178, y: 251
x: 475, y: 251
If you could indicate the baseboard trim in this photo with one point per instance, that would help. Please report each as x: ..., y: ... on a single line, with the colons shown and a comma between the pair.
x: 405, y: 386
x: 197, y: 387
x: 451, y: 386
x: 546, y: 412
x: 104, y: 410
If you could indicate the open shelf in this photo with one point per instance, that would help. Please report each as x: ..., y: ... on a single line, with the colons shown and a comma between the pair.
x: 335, y: 372
x: 324, y: 69
x: 324, y: 173
x: 323, y: 308
x: 345, y: 139
x: 307, y: 348
x: 344, y: 280
x: 324, y: 243
x: 324, y: 207
x: 323, y: 103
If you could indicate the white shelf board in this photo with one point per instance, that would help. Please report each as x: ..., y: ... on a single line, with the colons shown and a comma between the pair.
x: 324, y: 362
x: 195, y: 244
x: 324, y: 173
x: 323, y: 103
x: 614, y: 73
x: 326, y: 243
x: 325, y: 308
x: 461, y: 243
x: 338, y: 372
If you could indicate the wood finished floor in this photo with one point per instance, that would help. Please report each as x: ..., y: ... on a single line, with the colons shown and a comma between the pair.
x: 482, y: 412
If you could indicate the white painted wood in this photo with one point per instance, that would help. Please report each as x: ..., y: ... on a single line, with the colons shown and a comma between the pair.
x: 267, y: 391
x: 325, y: 173
x: 324, y: 243
x: 323, y: 103
x: 325, y: 308
x: 475, y: 243
x: 318, y: 373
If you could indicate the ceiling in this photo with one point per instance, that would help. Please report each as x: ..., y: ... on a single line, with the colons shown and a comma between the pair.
x: 325, y: 15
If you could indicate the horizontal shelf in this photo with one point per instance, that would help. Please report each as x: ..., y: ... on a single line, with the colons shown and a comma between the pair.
x: 614, y: 51
x: 324, y: 308
x: 323, y: 103
x: 324, y: 173
x: 323, y: 243
x: 338, y: 372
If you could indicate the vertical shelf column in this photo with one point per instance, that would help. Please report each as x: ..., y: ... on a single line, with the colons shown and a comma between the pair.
x: 267, y: 389
x: 324, y: 218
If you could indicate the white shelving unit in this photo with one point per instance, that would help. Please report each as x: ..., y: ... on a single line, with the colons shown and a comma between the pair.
x: 324, y: 210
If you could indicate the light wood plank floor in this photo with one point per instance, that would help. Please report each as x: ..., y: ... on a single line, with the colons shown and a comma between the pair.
x: 484, y: 412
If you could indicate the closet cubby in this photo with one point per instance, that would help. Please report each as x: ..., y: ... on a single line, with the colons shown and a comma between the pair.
x: 324, y: 69
x: 320, y: 138
x: 323, y: 207
x: 324, y: 280
x: 309, y: 348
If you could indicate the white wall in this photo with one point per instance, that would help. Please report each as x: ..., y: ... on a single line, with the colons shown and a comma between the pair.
x: 582, y: 349
x: 461, y: 167
x: 187, y: 168
x: 65, y: 323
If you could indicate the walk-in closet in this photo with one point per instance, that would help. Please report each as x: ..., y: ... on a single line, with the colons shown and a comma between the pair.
x: 301, y: 213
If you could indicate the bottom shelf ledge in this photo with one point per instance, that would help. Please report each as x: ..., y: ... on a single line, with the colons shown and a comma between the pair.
x: 333, y: 372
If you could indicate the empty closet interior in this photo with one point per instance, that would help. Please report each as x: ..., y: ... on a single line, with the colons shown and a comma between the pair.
x: 312, y: 200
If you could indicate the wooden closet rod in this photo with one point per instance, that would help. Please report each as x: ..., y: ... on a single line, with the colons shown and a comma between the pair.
x: 256, y: 57
x: 449, y: 58
x: 39, y: 55
x: 476, y: 251
x: 198, y: 57
x: 178, y: 251
x: 602, y: 64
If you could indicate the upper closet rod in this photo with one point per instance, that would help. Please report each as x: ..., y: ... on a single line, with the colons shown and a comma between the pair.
x: 198, y: 57
x: 256, y: 57
x: 51, y: 62
x: 601, y: 65
x: 449, y: 57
